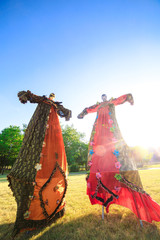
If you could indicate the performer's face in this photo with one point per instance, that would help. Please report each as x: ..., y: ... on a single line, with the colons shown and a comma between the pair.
x: 52, y: 98
x: 104, y: 98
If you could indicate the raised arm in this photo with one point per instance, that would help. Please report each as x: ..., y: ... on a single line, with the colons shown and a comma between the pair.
x: 64, y: 112
x: 91, y: 109
x: 25, y: 96
x: 123, y: 99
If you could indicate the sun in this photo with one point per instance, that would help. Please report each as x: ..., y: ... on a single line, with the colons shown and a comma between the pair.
x: 143, y: 135
x: 141, y: 139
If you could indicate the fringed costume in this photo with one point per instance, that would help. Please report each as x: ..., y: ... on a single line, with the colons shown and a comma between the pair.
x: 113, y: 176
x: 38, y: 177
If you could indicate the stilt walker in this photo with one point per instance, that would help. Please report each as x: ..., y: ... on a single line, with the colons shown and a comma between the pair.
x: 38, y: 177
x: 113, y: 176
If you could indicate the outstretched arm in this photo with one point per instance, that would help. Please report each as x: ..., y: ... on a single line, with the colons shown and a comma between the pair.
x: 88, y: 110
x: 64, y: 112
x: 123, y: 99
x: 25, y: 96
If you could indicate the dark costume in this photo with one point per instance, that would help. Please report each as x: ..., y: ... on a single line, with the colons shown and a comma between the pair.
x: 38, y: 177
x: 113, y: 176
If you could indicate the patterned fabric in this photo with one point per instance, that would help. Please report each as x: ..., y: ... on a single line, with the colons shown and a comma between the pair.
x: 112, y: 173
x: 40, y: 167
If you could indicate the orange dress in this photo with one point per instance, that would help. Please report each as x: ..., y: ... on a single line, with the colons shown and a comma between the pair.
x: 113, y: 176
x: 38, y: 177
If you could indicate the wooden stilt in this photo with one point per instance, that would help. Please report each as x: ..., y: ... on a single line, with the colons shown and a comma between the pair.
x: 103, y: 212
x: 141, y: 223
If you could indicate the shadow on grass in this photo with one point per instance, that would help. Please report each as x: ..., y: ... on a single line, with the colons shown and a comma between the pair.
x: 3, y: 178
x: 5, y: 231
x: 77, y: 173
x: 90, y: 227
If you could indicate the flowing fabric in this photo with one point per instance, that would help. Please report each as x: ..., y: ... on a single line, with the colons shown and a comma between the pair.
x: 38, y: 177
x: 113, y: 176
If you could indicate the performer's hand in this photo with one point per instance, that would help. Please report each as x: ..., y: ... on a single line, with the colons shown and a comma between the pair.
x: 131, y: 102
x: 80, y: 116
x: 130, y: 99
x: 22, y: 95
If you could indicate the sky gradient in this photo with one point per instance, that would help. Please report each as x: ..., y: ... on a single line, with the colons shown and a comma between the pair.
x: 80, y: 50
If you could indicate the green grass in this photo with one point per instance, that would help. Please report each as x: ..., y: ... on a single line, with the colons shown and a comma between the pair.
x: 3, y: 178
x: 82, y: 221
x: 150, y: 166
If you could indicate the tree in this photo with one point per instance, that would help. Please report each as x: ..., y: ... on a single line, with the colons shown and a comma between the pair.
x: 141, y: 155
x: 11, y: 140
x: 10, y: 144
x: 24, y: 128
x: 156, y: 155
x: 76, y: 148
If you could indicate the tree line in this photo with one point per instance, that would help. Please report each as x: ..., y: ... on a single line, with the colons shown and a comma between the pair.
x: 76, y: 148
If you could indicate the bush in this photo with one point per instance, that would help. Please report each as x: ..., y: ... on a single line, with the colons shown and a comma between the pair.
x: 74, y: 167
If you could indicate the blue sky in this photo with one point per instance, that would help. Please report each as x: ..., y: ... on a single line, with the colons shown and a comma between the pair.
x: 80, y: 50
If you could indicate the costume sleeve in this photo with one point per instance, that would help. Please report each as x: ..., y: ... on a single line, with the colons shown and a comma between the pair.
x: 91, y: 109
x: 123, y: 99
x: 25, y: 96
x: 64, y: 112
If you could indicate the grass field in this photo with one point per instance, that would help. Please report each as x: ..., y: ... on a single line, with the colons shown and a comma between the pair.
x: 82, y: 221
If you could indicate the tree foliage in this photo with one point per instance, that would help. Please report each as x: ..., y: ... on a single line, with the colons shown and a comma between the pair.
x: 75, y: 146
x: 10, y: 144
x: 11, y: 140
x: 141, y: 155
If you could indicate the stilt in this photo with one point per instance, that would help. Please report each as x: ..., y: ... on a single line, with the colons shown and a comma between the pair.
x: 103, y: 212
x: 141, y: 223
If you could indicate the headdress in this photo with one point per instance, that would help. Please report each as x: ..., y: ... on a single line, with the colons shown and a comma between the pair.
x: 52, y: 95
